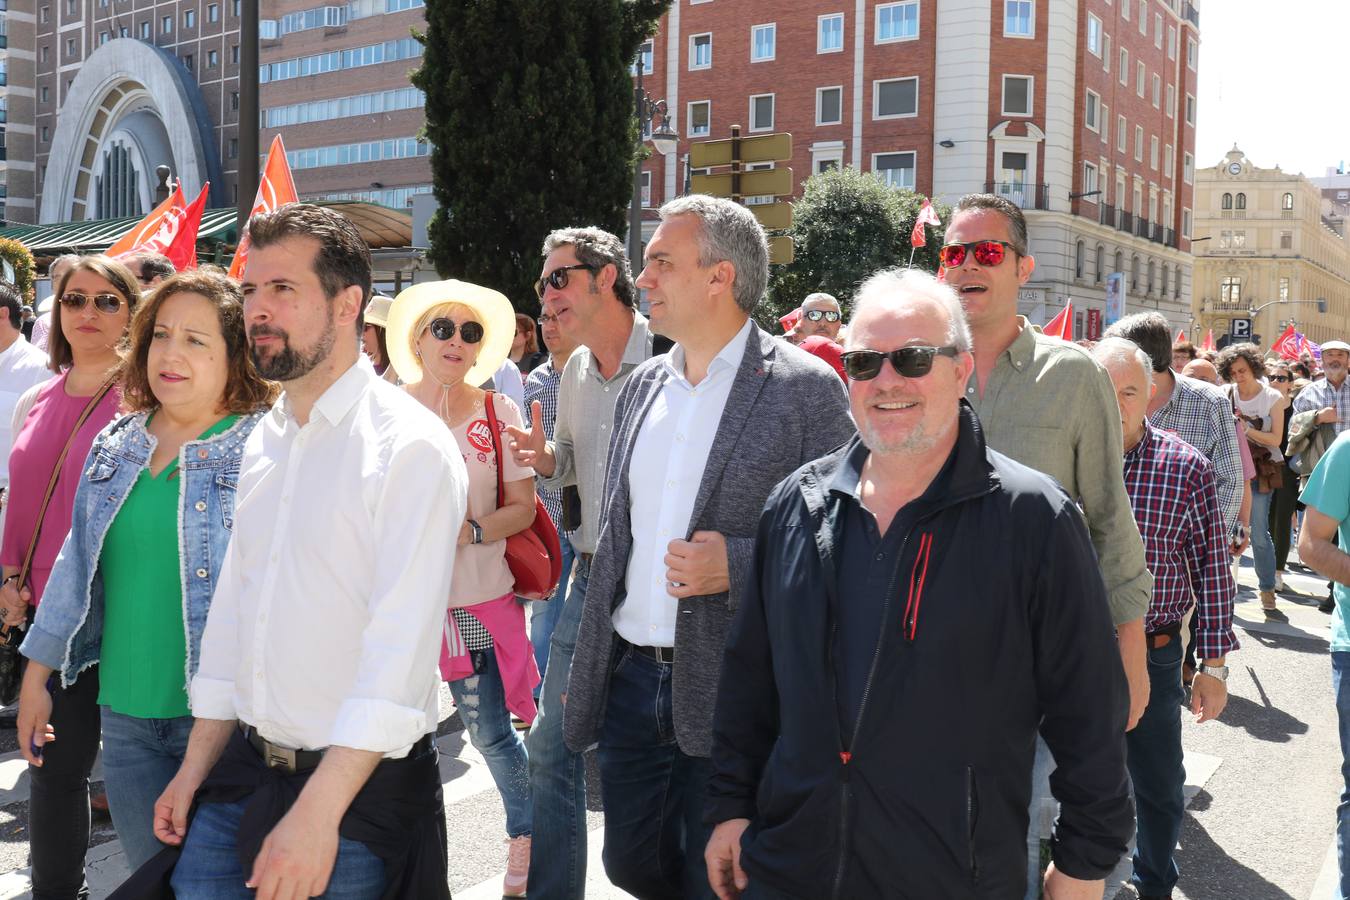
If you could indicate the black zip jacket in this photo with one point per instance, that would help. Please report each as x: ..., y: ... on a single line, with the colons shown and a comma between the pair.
x: 996, y: 621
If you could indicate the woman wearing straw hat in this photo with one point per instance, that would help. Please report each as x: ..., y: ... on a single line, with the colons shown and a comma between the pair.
x: 444, y: 338
x: 374, y: 340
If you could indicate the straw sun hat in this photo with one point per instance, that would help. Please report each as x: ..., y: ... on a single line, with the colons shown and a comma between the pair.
x: 491, y: 310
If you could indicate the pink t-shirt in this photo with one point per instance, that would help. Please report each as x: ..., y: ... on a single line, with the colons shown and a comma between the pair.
x: 36, y: 447
x: 481, y: 573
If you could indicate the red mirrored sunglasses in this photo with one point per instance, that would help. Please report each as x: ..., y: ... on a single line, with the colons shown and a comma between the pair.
x: 987, y: 253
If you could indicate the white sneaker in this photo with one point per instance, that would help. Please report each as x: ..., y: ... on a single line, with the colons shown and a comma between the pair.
x: 1279, y: 582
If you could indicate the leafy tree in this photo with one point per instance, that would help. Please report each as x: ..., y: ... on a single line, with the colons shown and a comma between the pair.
x: 847, y: 225
x: 17, y: 255
x: 529, y: 109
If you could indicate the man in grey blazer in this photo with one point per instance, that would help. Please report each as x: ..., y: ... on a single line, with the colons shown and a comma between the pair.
x: 701, y: 436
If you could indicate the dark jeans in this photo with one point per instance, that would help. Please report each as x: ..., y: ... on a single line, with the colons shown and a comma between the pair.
x: 1340, y: 682
x: 1282, y: 507
x: 1156, y: 770
x: 58, y: 807
x: 654, y: 793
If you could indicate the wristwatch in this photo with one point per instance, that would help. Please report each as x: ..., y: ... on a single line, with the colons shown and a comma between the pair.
x: 477, y: 531
x: 1219, y: 672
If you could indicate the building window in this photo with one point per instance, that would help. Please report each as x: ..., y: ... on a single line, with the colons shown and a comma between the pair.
x: 700, y: 51
x: 236, y: 8
x: 898, y: 21
x: 827, y: 158
x: 1152, y: 273
x: 189, y: 18
x: 103, y: 38
x: 71, y: 7
x: 1153, y: 153
x: 1157, y: 92
x: 1169, y: 161
x: 1124, y: 66
x: 1143, y: 17
x: 234, y: 148
x: 895, y: 169
x: 1100, y: 263
x: 700, y: 118
x: 43, y: 53
x: 1241, y: 201
x: 1157, y: 30
x: 1286, y: 240
x: 763, y: 40
x: 761, y: 112
x: 234, y: 53
x: 1094, y: 35
x: 165, y: 24
x: 896, y: 98
x: 1287, y: 202
x: 1140, y: 78
x: 645, y: 54
x: 1187, y: 168
x: 212, y: 59
x: 234, y: 100
x: 147, y: 31
x: 1171, y: 109
x: 188, y: 61
x: 830, y: 33
x: 1105, y: 119
x: 1106, y: 53
x: 1171, y: 42
x: 1122, y: 134
x: 829, y: 105
x: 1190, y: 110
x: 1125, y: 10
x: 1091, y: 111
x: 646, y: 188
x: 1186, y: 223
x: 1090, y: 182
x: 1079, y: 258
x: 1138, y: 143
x: 70, y: 46
x: 1019, y: 18
x: 1230, y: 290
x: 1226, y: 201
x: 1192, y: 53
x: 1120, y: 263
x: 46, y: 134
x: 1134, y: 273
x: 1017, y: 93
x: 1284, y: 289
x: 44, y: 94
x: 45, y: 15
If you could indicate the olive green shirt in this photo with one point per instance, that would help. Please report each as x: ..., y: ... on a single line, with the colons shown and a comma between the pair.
x: 1050, y: 406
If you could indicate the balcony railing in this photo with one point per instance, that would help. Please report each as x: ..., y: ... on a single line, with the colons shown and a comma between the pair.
x: 1192, y: 15
x: 1106, y: 215
x: 1142, y: 227
x: 1169, y: 238
x: 1026, y: 196
x: 1126, y: 222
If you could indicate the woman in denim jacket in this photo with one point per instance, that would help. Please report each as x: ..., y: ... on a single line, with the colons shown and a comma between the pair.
x: 153, y: 514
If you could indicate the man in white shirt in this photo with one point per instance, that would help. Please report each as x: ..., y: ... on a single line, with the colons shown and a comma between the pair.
x: 319, y: 658
x: 21, y: 366
x: 55, y: 272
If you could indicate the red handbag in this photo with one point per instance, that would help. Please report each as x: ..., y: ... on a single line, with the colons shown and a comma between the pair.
x: 533, y: 555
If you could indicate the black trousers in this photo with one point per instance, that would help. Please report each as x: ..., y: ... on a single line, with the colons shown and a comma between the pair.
x: 58, y: 807
x: 1282, y: 506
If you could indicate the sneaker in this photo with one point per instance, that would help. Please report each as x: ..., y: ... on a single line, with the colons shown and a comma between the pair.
x: 517, y: 867
x: 1279, y: 583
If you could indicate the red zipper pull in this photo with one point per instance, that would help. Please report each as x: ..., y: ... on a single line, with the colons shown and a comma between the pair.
x: 845, y: 756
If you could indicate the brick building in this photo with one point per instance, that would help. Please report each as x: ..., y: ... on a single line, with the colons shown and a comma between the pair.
x: 1047, y: 102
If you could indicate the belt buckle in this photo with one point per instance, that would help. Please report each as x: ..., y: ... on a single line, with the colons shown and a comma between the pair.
x: 279, y: 757
x: 665, y: 655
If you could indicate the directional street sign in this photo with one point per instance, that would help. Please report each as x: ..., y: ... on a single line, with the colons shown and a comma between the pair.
x: 780, y: 250
x: 753, y: 184
x: 773, y: 216
x: 764, y: 148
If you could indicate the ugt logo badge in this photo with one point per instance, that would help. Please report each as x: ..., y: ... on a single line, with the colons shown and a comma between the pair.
x: 480, y: 435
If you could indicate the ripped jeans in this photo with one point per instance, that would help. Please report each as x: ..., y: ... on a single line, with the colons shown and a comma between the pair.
x: 481, y: 700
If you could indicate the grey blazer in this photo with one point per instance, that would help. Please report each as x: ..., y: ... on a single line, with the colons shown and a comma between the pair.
x: 786, y: 408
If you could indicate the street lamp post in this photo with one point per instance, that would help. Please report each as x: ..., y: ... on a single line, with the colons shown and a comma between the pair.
x: 654, y: 114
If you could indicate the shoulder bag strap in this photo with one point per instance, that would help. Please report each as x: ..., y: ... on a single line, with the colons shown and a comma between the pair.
x: 496, y: 446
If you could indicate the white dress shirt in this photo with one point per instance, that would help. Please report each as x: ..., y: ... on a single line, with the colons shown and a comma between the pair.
x: 326, y: 624
x: 663, y: 480
x: 21, y: 366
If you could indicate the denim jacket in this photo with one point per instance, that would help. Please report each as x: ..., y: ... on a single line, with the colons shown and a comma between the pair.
x: 67, y: 633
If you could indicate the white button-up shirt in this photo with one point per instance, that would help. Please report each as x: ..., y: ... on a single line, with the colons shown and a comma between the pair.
x: 669, y: 456
x: 21, y: 366
x: 325, y: 628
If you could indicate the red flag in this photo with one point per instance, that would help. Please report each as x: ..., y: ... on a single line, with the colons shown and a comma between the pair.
x: 1209, y: 340
x: 275, y: 188
x: 1181, y: 335
x: 1061, y: 326
x: 790, y: 320
x: 1287, y: 344
x: 927, y: 216
x: 155, y: 230
x: 183, y: 251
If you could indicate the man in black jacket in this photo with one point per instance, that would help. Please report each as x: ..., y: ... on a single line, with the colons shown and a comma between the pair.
x: 918, y: 604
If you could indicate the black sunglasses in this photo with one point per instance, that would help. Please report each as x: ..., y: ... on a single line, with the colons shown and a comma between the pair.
x: 558, y: 278
x: 444, y: 330
x: 1281, y: 378
x: 910, y: 362
x: 815, y: 315
x: 106, y: 303
x: 987, y: 253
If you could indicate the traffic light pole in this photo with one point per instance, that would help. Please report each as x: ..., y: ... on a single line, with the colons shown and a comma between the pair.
x: 246, y: 178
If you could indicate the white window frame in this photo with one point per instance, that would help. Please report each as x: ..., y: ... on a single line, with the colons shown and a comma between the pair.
x: 1192, y: 53
x: 1122, y: 135
x: 1140, y: 78
x: 1031, y: 33
x: 1153, y: 152
x: 1125, y: 10
x: 1171, y: 42
x: 1125, y: 65
x: 189, y: 18
x: 1090, y: 181
x: 212, y: 13
x: 689, y: 112
x: 1186, y: 223
x: 1190, y: 110
x: 1187, y: 168
x: 1157, y: 31
x: 1143, y: 17
x: 773, y: 112
x: 1169, y: 161
x: 1106, y: 53
x: 1104, y: 117
x: 876, y: 22
x: 1094, y: 30
x: 914, y: 169
x: 1157, y: 91
x: 821, y: 90
x: 876, y: 99
x: 1139, y: 143
x: 754, y: 31
x: 1031, y: 96
x: 826, y: 152
x: 693, y: 66
x: 820, y: 21
x: 1092, y: 101
x: 646, y: 188
x: 1171, y: 101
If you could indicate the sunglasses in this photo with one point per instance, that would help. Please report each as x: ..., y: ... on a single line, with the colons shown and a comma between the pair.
x: 909, y: 362
x: 105, y: 303
x: 1281, y: 378
x: 987, y: 253
x: 815, y: 315
x: 444, y: 330
x: 558, y: 278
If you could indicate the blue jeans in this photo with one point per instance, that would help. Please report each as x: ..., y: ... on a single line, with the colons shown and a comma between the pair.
x: 209, y: 867
x: 482, y: 705
x: 1158, y: 774
x: 1340, y: 682
x: 544, y: 614
x: 140, y: 758
x: 1042, y: 766
x: 557, y: 775
x: 1263, y: 548
x: 654, y: 793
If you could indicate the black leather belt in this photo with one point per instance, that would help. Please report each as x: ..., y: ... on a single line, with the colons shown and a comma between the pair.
x: 664, y: 655
x: 275, y: 756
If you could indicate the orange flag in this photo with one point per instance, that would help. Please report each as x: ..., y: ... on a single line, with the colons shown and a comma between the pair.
x: 1061, y: 326
x: 1209, y: 340
x: 1181, y: 335
x: 182, y: 252
x: 147, y: 228
x: 275, y: 188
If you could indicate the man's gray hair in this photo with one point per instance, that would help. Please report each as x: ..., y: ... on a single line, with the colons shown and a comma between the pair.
x: 730, y: 233
x: 597, y: 248
x: 65, y: 260
x: 821, y: 295
x: 1115, y: 349
x: 912, y: 284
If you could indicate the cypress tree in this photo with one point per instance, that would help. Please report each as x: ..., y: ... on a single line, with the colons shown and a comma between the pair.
x: 529, y: 111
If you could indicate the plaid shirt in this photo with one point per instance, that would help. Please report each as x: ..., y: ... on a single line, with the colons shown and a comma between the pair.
x: 1202, y: 416
x: 542, y: 385
x: 1171, y: 489
x: 1320, y: 394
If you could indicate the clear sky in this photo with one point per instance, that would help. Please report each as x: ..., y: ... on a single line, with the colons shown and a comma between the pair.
x: 1274, y: 79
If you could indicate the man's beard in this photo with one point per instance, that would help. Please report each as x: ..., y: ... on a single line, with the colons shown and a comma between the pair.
x: 288, y: 364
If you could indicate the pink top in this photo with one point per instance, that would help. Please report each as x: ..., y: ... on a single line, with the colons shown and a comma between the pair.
x: 481, y: 573
x: 36, y: 447
x: 504, y: 618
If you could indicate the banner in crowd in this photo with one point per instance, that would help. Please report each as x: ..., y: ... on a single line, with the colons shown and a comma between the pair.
x: 1115, y: 298
x: 147, y: 228
x: 1061, y: 326
x: 276, y: 188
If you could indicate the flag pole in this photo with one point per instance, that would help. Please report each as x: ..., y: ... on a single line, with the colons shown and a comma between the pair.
x: 911, y: 257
